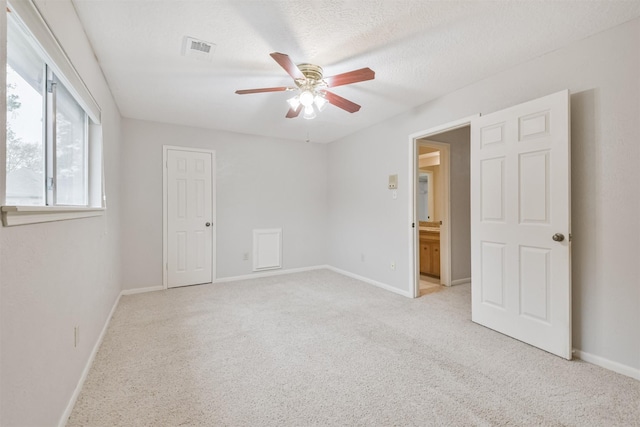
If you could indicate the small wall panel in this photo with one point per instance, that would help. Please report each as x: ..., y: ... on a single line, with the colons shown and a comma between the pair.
x: 492, y: 190
x: 493, y: 273
x: 534, y: 195
x: 534, y: 282
x: 533, y: 126
x: 267, y: 249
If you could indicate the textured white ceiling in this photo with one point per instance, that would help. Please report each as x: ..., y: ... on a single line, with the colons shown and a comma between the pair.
x: 419, y: 50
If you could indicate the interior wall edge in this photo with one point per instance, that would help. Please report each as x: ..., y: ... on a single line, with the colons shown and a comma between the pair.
x: 371, y: 281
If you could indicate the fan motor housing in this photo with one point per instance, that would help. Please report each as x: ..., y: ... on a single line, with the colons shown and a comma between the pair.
x: 311, y: 72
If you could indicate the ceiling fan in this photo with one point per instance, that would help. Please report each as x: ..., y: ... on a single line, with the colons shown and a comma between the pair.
x: 312, y: 87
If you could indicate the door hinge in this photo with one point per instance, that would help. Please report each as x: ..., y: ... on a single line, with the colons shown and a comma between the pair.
x: 50, y: 85
x: 570, y: 236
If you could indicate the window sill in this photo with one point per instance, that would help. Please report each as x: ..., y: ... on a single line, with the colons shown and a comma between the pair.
x: 21, y: 215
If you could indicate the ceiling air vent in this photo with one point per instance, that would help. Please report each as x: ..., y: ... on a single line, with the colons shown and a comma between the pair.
x: 198, y: 49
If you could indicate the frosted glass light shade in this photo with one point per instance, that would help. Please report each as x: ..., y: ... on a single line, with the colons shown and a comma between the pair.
x: 320, y: 102
x: 309, y: 112
x: 306, y: 98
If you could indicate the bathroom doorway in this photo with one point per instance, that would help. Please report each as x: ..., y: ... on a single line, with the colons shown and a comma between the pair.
x: 429, y: 203
x: 442, y: 233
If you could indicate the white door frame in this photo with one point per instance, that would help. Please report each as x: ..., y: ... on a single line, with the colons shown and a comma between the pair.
x: 165, y: 205
x: 445, y: 238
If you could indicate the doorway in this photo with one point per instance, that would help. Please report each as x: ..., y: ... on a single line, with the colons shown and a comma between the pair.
x: 441, y: 236
x: 429, y: 201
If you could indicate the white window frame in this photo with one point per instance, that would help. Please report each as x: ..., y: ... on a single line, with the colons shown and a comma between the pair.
x: 54, y: 56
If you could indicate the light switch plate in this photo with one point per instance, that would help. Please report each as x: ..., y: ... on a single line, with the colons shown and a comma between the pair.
x: 393, y: 182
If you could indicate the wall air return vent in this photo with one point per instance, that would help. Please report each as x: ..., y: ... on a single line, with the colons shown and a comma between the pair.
x: 198, y: 49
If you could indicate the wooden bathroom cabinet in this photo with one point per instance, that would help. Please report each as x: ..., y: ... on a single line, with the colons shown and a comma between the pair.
x: 430, y: 253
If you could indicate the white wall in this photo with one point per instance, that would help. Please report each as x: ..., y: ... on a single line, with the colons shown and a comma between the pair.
x: 602, y: 73
x: 57, y: 275
x: 260, y: 183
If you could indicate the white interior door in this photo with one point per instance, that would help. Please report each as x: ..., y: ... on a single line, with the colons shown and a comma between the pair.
x: 190, y: 226
x: 520, y: 222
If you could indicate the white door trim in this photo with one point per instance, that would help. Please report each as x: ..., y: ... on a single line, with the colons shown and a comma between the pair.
x: 445, y: 240
x: 165, y: 204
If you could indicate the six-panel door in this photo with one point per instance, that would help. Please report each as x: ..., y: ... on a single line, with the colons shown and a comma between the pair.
x: 189, y: 218
x: 520, y: 186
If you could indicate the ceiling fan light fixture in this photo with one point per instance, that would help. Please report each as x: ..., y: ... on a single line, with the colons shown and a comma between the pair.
x: 306, y: 98
x: 309, y: 112
x: 310, y: 85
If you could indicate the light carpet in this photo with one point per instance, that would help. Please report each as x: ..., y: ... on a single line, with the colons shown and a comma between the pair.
x: 319, y: 349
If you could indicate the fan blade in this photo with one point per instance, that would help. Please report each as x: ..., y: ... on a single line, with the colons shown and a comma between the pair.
x: 361, y: 75
x: 340, y: 102
x: 294, y: 113
x: 262, y: 90
x: 288, y: 65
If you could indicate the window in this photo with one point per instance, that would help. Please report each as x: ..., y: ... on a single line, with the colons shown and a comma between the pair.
x: 53, y: 144
x: 70, y: 177
x: 25, y: 134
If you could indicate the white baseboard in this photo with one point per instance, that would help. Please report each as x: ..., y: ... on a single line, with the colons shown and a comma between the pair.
x: 74, y: 397
x: 269, y: 274
x: 369, y: 281
x: 142, y: 290
x: 232, y: 278
x: 607, y: 364
x: 461, y: 281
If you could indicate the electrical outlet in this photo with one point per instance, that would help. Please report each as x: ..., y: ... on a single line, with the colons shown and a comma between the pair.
x: 245, y: 257
x: 393, y: 265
